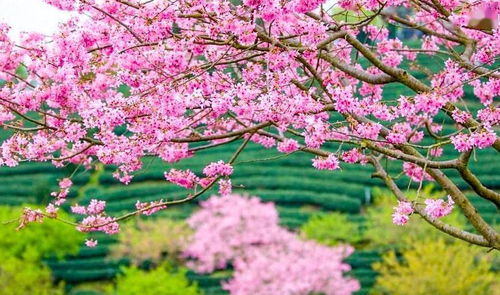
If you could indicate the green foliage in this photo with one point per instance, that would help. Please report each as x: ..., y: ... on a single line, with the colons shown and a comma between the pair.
x: 37, y: 240
x: 340, y: 14
x: 382, y: 233
x: 24, y: 277
x: 91, y: 288
x: 332, y: 229
x: 124, y: 89
x: 435, y: 267
x: 162, y: 280
x: 153, y: 240
x: 42, y: 190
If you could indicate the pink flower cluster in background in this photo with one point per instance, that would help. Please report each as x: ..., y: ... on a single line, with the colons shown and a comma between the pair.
x: 267, y: 259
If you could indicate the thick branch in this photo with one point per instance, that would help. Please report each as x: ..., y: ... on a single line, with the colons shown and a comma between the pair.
x: 462, y: 201
x: 446, y: 228
x: 474, y: 182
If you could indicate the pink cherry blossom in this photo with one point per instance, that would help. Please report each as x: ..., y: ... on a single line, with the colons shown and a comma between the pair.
x: 149, y: 208
x: 51, y: 210
x: 400, y: 219
x: 461, y: 116
x: 288, y: 146
x: 462, y: 142
x: 245, y: 232
x: 65, y: 183
x: 399, y: 133
x: 402, y: 212
x: 91, y: 243
x: 30, y: 215
x: 184, y: 178
x: 218, y: 169
x: 95, y: 207
x: 436, y: 208
x: 404, y: 208
x: 483, y: 138
x: 436, y: 152
x: 77, y: 209
x: 329, y: 163
x: 415, y: 172
x: 225, y: 187
x: 352, y: 156
x: 104, y: 224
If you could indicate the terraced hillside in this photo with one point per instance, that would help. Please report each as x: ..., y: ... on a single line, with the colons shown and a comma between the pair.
x: 298, y: 190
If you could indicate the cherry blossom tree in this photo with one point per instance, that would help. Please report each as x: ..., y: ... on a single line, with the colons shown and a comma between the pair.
x: 267, y: 259
x: 280, y: 73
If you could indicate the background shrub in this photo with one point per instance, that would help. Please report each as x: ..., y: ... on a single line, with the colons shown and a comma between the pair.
x: 162, y: 280
x: 435, y: 267
x: 152, y: 240
x: 25, y: 277
x: 37, y: 240
x: 332, y: 229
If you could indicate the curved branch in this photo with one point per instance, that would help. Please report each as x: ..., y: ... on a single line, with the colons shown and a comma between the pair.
x: 421, y: 28
x: 409, y: 158
x: 474, y: 182
x: 462, y: 201
x: 446, y: 228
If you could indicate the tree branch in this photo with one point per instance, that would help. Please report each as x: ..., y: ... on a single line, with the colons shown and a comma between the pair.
x: 474, y: 182
x: 446, y: 228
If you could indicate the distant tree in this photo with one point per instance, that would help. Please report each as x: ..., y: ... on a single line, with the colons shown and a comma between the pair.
x: 267, y: 259
x: 153, y: 241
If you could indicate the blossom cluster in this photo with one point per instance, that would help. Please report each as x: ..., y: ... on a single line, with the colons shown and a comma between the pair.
x: 402, y: 212
x: 96, y: 218
x: 434, y: 208
x: 437, y: 208
x: 184, y: 178
x: 187, y: 179
x: 218, y: 169
x: 244, y: 232
x: 30, y: 215
x: 415, y: 172
x: 149, y: 208
x: 480, y: 139
x: 329, y: 163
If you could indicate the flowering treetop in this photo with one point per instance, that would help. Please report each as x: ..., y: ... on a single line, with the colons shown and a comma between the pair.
x: 274, y: 72
x: 266, y: 258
